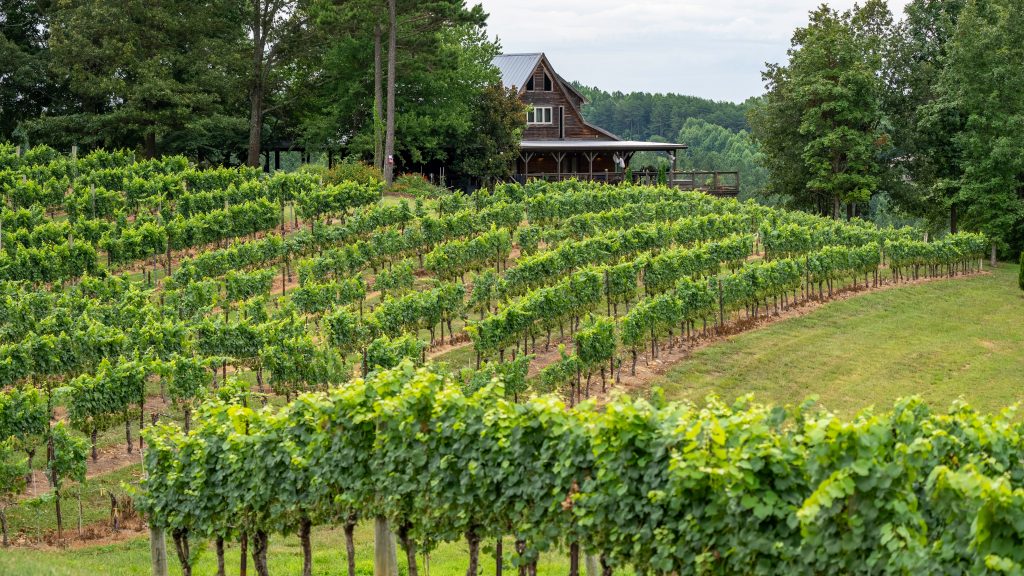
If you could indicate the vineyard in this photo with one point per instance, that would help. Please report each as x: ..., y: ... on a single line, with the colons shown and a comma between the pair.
x: 256, y: 339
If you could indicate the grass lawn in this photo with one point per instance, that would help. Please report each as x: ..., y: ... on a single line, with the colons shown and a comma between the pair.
x: 943, y: 340
x: 131, y: 557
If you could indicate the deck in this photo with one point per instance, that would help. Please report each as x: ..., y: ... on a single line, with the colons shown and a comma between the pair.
x: 712, y: 182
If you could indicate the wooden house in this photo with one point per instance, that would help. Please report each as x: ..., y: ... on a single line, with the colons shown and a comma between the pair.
x: 558, y: 143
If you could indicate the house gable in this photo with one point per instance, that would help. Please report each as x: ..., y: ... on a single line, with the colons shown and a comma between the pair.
x: 556, y: 105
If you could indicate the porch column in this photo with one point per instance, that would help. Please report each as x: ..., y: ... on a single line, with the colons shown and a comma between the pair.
x: 525, y: 157
x: 590, y: 156
x: 559, y: 156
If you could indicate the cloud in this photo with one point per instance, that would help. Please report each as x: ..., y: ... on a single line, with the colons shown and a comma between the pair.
x: 714, y: 49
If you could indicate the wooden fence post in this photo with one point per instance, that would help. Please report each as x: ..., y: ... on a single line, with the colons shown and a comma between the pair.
x: 385, y: 558
x: 158, y: 550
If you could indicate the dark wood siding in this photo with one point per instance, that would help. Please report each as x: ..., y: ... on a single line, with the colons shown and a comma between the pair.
x: 575, y: 127
x: 572, y: 162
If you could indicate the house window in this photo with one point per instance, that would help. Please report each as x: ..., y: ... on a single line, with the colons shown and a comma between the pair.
x: 540, y: 115
x: 529, y: 84
x: 547, y: 83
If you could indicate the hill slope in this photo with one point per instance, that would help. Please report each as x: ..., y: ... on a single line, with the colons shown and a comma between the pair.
x: 942, y: 340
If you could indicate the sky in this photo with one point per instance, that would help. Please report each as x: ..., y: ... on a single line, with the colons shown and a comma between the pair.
x: 710, y: 48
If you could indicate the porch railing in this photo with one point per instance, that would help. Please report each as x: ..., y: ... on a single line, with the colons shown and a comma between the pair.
x: 712, y: 182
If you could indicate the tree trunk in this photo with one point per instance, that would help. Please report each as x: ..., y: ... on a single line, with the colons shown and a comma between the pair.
x: 60, y: 519
x: 378, y: 98
x: 410, y: 549
x: 128, y: 432
x: 256, y: 88
x: 474, y: 550
x: 835, y: 207
x: 259, y: 553
x: 389, y: 136
x: 92, y: 437
x: 307, y: 550
x: 3, y: 525
x: 243, y: 549
x: 954, y: 219
x: 150, y: 147
x: 220, y: 556
x: 521, y: 550
x: 574, y: 559
x: 499, y: 557
x: 180, y: 536
x: 350, y: 544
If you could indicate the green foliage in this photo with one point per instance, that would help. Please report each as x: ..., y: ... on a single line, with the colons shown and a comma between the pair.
x: 528, y: 239
x: 244, y: 285
x: 153, y: 75
x: 714, y: 147
x: 189, y: 381
x: 336, y: 200
x: 975, y: 82
x: 1020, y: 279
x: 97, y: 402
x: 68, y: 461
x: 395, y: 280
x: 643, y: 483
x: 386, y: 352
x: 351, y: 170
x: 819, y: 125
x: 12, y: 471
x: 511, y: 375
x: 491, y: 147
x: 417, y: 186
x: 640, y: 115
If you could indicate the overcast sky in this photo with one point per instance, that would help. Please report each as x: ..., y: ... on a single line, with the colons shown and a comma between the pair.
x: 710, y: 48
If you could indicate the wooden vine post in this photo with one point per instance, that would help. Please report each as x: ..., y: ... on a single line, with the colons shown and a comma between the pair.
x: 158, y: 550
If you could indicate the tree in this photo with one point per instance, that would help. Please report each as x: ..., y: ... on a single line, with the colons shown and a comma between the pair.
x: 982, y: 82
x: 923, y: 120
x: 282, y: 37
x: 819, y: 124
x: 713, y: 147
x: 140, y: 72
x: 492, y: 145
x: 640, y: 115
x: 26, y: 86
x: 441, y: 65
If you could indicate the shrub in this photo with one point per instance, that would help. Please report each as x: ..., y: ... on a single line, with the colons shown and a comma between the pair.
x: 355, y: 171
x: 417, y: 186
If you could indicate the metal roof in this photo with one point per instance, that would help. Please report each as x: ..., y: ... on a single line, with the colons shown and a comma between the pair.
x: 515, y: 69
x: 598, y: 145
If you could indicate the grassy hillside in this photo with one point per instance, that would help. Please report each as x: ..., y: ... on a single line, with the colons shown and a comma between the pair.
x: 940, y: 340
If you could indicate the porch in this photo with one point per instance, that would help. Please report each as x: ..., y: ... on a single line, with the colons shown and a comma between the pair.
x: 608, y: 161
x: 712, y: 182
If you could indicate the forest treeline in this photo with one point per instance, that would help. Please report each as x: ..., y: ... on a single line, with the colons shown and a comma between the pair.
x: 890, y: 118
x: 223, y: 80
x: 924, y: 111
